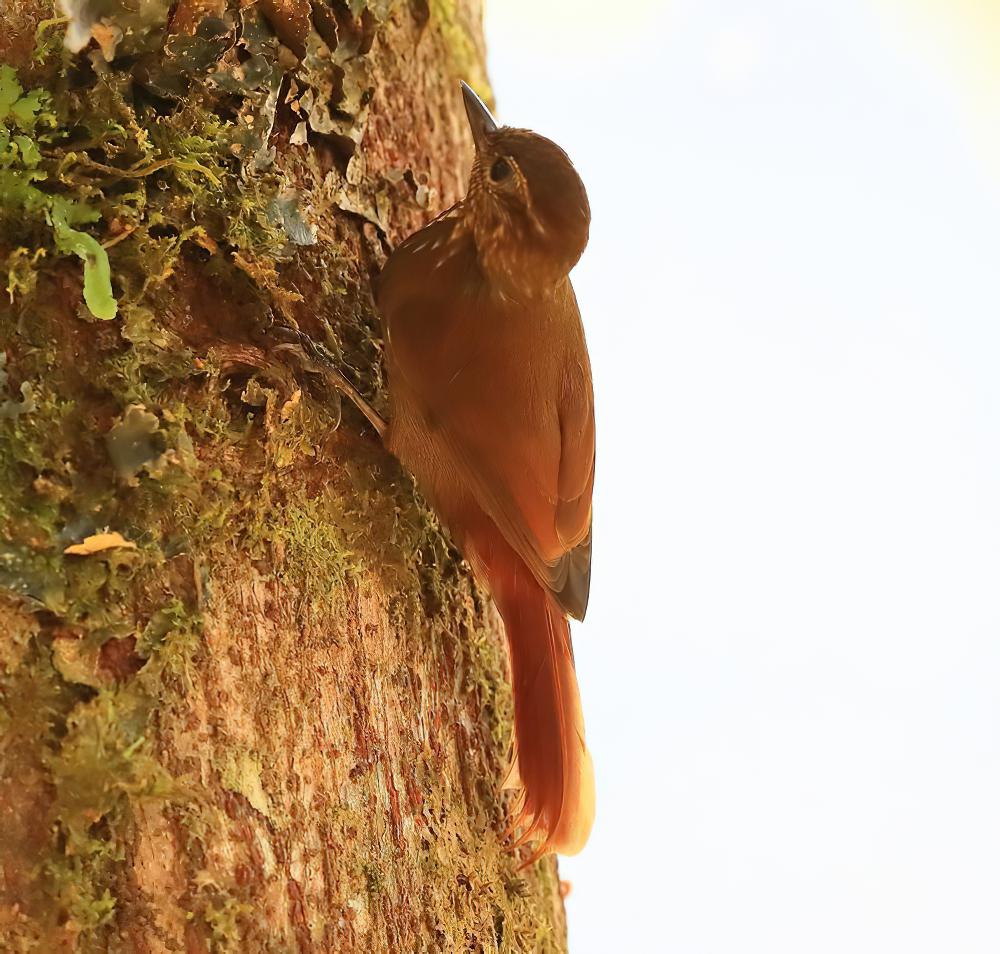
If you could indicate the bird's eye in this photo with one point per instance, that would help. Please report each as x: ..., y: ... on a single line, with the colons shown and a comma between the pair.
x: 500, y: 170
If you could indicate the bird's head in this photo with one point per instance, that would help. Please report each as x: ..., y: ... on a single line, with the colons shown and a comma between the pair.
x: 526, y: 206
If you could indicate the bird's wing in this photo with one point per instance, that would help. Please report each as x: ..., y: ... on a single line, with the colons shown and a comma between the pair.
x: 573, y: 517
x: 536, y: 483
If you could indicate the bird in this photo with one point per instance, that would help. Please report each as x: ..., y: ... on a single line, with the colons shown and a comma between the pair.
x: 491, y: 409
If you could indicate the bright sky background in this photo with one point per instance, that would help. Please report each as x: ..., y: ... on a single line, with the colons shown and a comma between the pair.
x: 791, y: 666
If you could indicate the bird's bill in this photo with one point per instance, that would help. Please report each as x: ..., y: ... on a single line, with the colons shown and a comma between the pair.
x: 481, y: 121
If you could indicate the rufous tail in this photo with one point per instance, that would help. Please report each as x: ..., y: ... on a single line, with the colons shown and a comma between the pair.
x: 551, y: 764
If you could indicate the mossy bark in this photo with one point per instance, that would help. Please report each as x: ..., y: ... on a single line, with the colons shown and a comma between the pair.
x: 250, y: 699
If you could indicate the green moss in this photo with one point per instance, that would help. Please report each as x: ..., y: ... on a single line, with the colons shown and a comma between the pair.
x: 58, y: 483
x: 225, y: 917
x: 102, y: 761
x: 96, y: 749
x: 22, y: 173
x: 78, y: 884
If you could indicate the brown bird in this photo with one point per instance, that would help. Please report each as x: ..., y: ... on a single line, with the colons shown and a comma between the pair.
x: 492, y: 411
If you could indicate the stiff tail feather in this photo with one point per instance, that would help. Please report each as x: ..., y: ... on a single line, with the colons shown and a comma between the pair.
x: 552, y: 766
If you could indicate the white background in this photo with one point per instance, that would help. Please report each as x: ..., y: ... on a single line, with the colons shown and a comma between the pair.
x: 791, y: 666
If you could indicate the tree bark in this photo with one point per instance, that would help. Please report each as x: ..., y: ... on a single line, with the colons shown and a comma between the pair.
x: 250, y: 698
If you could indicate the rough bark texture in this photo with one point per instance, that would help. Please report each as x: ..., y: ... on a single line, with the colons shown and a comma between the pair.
x: 250, y: 699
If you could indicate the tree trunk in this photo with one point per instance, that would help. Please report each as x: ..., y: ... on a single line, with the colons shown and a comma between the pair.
x: 250, y: 699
